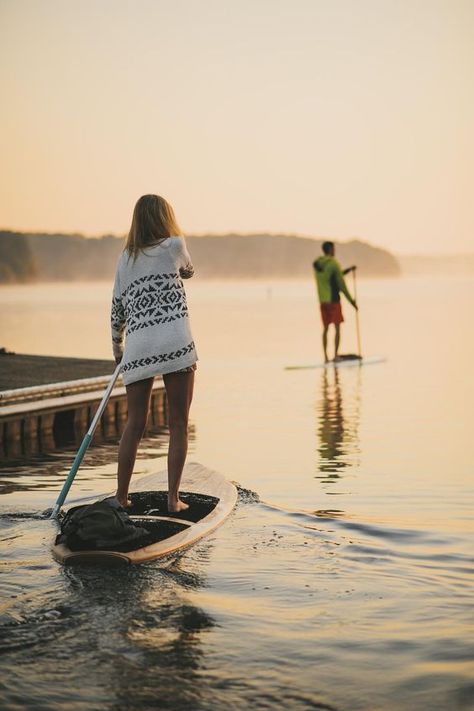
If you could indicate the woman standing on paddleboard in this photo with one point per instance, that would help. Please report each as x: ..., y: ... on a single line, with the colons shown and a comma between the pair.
x: 149, y: 308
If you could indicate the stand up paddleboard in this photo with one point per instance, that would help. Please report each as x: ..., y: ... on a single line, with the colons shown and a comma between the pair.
x: 344, y: 362
x: 211, y: 499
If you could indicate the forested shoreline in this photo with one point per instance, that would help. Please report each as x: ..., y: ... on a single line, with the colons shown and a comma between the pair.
x: 28, y: 257
x: 17, y: 264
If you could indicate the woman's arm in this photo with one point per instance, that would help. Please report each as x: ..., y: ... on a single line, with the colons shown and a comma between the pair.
x: 186, y: 269
x: 186, y: 272
x: 117, y: 320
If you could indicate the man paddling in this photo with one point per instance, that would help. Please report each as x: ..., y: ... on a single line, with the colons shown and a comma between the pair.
x: 330, y: 282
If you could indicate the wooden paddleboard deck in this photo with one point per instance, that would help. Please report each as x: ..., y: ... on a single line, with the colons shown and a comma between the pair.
x: 211, y: 499
x: 346, y: 363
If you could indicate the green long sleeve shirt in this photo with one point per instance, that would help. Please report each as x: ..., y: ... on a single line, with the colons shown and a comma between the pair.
x: 330, y: 280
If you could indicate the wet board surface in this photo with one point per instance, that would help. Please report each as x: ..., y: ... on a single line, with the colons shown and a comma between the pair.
x: 345, y: 363
x: 211, y: 499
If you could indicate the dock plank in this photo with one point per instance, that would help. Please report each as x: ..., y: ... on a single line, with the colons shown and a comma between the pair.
x: 21, y: 371
x: 65, y: 402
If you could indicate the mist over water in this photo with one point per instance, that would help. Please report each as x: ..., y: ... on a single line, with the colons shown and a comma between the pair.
x: 344, y: 578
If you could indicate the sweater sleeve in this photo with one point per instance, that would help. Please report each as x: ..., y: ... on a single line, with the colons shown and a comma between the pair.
x: 117, y: 318
x: 186, y: 269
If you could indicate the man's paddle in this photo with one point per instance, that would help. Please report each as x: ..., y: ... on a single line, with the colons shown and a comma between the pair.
x: 85, y: 444
x: 359, y: 351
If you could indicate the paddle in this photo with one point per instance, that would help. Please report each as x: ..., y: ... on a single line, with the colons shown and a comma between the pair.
x: 85, y: 444
x: 359, y: 351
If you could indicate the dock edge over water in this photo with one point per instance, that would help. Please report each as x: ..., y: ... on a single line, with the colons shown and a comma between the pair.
x: 48, y: 415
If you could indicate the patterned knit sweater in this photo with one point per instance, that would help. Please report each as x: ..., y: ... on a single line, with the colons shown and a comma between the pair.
x: 149, y: 307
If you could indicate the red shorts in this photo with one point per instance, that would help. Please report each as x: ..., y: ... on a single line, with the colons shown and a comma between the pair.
x: 331, y: 313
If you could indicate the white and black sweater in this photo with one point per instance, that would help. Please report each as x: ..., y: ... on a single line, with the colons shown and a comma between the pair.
x: 149, y: 307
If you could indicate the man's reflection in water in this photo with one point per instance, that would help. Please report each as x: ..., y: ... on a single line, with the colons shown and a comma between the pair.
x: 337, y: 426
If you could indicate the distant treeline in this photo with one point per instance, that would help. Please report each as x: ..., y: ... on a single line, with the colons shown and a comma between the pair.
x: 17, y: 263
x: 61, y: 257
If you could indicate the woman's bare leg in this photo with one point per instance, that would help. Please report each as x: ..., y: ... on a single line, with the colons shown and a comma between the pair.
x: 179, y: 394
x: 138, y: 402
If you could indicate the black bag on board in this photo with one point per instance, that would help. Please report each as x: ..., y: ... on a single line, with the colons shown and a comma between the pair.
x: 99, y: 526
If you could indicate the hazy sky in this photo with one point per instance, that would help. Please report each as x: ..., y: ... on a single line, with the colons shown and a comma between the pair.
x: 339, y: 118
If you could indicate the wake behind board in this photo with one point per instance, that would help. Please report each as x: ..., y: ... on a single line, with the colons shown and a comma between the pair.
x: 211, y: 499
x: 343, y: 363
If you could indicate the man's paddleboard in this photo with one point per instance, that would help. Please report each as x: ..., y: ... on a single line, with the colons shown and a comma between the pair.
x: 344, y: 363
x: 211, y: 499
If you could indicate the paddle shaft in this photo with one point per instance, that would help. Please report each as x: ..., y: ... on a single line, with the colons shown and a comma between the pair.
x: 85, y: 444
x: 359, y: 350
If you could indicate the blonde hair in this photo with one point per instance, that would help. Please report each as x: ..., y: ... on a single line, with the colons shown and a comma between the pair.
x: 153, y: 221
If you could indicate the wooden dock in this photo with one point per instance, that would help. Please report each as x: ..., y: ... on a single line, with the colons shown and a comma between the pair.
x: 47, y: 403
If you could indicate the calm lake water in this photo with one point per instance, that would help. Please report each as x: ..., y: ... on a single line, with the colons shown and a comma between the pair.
x: 344, y: 578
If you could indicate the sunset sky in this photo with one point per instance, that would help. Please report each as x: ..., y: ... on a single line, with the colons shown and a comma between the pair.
x: 338, y: 118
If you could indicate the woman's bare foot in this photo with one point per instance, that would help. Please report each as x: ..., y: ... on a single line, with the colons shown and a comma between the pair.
x: 176, y: 506
x: 124, y: 501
